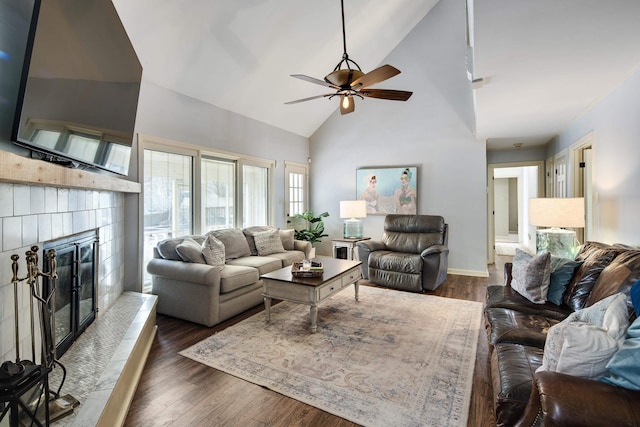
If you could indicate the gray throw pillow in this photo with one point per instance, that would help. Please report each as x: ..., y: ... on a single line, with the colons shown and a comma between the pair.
x: 531, y: 275
x: 235, y: 244
x: 287, y: 237
x: 249, y: 232
x: 268, y: 242
x: 190, y: 251
x: 213, y: 251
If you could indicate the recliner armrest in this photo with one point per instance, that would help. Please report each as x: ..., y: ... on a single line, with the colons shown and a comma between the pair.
x: 565, y: 400
x: 435, y: 249
x: 372, y: 245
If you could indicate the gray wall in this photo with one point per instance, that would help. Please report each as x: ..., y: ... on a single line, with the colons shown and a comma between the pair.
x: 431, y: 130
x: 616, y: 174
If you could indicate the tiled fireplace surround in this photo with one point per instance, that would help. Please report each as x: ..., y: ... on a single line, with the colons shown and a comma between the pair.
x: 32, y: 215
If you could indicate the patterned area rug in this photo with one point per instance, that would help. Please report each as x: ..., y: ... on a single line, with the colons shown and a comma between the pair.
x: 391, y: 359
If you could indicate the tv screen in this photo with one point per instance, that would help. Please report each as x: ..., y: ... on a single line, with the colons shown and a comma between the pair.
x: 80, y: 86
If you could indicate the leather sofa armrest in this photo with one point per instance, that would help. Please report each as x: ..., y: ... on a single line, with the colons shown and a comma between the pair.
x: 202, y: 274
x: 435, y: 249
x: 564, y: 400
x: 508, y: 267
x: 304, y: 246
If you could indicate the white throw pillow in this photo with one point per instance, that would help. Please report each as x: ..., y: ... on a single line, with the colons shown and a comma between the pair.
x: 213, y: 251
x: 585, y: 341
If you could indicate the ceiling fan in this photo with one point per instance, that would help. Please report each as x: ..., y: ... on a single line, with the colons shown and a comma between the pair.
x: 350, y: 82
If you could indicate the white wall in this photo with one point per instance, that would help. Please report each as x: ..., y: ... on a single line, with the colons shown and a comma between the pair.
x: 431, y: 130
x: 616, y: 125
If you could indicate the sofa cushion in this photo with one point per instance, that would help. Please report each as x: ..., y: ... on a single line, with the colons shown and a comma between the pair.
x: 616, y: 277
x: 235, y: 243
x: 262, y: 264
x: 505, y: 297
x: 268, y: 242
x: 234, y: 277
x: 289, y: 257
x: 531, y: 275
x: 167, y: 247
x: 622, y: 369
x: 403, y: 262
x: 510, y: 326
x: 190, y: 251
x: 213, y: 251
x: 585, y: 279
x: 250, y: 232
x: 288, y: 237
x: 562, y: 271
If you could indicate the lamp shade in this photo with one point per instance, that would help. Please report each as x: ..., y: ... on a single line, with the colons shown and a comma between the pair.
x: 353, y: 209
x: 557, y: 212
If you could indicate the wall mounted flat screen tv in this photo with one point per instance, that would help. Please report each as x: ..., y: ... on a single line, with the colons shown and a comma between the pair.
x: 80, y: 86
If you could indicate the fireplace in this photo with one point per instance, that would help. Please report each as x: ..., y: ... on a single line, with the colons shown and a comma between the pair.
x: 75, y: 299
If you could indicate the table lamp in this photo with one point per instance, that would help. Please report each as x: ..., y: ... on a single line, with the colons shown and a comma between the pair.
x: 558, y: 214
x: 353, y: 209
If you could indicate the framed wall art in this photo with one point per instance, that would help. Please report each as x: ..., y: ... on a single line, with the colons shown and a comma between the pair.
x: 388, y: 190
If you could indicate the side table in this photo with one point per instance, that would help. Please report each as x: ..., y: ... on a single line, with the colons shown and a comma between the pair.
x: 345, y: 248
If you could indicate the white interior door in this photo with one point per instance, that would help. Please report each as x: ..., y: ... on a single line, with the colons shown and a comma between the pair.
x: 296, y: 190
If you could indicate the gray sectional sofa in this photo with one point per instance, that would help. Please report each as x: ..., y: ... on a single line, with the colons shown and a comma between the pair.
x: 191, y: 289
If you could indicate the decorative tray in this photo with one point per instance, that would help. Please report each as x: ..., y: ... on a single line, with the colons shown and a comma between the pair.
x: 316, y: 270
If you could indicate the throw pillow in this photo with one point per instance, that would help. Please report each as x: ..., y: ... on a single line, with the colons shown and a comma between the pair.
x: 213, y: 251
x: 635, y: 297
x: 190, y: 251
x: 583, y: 343
x: 235, y: 244
x: 287, y: 237
x: 562, y: 270
x: 622, y: 369
x: 531, y: 275
x: 250, y: 232
x: 268, y: 242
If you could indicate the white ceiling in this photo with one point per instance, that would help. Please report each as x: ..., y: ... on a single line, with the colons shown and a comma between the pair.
x: 543, y: 62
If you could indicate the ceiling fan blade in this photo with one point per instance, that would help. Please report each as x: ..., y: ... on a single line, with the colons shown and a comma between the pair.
x: 314, y: 80
x: 310, y: 98
x: 394, y: 95
x: 376, y: 76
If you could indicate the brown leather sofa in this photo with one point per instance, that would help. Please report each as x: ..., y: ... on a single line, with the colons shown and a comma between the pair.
x: 517, y: 331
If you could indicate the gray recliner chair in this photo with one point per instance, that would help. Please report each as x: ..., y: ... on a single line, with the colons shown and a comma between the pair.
x: 412, y: 255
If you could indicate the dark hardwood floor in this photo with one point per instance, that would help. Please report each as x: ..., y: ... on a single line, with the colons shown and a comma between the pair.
x: 176, y: 391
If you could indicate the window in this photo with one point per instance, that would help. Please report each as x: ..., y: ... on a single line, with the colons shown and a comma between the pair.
x: 255, y: 189
x: 218, y: 180
x: 167, y: 201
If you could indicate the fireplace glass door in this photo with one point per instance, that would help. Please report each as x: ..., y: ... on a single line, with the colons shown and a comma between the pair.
x: 75, y: 287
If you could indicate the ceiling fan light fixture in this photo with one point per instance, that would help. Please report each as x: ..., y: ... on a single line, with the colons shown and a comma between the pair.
x: 347, y: 104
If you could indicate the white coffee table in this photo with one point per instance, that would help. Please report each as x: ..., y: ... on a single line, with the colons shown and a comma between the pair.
x: 280, y: 284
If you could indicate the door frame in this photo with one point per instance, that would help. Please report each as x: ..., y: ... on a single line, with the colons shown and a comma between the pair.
x: 491, y: 237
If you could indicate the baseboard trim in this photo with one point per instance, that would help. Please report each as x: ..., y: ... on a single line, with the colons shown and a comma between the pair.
x: 472, y: 273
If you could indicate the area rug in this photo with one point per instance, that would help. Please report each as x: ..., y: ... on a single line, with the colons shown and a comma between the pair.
x: 390, y: 359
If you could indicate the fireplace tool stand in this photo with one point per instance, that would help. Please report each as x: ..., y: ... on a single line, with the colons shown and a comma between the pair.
x: 23, y: 371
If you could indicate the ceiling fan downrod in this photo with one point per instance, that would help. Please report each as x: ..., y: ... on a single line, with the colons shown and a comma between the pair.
x: 345, y: 55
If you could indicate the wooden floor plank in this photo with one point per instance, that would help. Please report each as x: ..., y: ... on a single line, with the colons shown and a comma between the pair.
x: 176, y: 391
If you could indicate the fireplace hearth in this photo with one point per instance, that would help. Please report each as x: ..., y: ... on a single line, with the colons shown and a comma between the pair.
x: 75, y: 299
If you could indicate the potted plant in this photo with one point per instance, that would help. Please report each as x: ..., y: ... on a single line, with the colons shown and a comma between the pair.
x: 313, y: 226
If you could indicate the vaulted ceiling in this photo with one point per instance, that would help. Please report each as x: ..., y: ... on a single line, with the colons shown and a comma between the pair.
x: 542, y: 63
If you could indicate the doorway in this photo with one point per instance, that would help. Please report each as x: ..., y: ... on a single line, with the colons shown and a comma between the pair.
x: 509, y: 190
